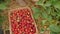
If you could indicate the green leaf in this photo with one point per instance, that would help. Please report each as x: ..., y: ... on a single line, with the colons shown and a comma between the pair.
x: 1, y: 1
x: 48, y: 10
x: 36, y: 12
x: 49, y: 18
x: 53, y: 32
x: 3, y: 6
x: 1, y: 20
x: 55, y: 28
x: 36, y: 16
x: 40, y: 2
x: 47, y: 4
x: 53, y: 1
x: 57, y: 5
x: 1, y: 11
x: 35, y: 9
x: 43, y: 22
x: 44, y: 15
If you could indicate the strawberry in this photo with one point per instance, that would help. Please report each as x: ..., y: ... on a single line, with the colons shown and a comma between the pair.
x: 22, y: 22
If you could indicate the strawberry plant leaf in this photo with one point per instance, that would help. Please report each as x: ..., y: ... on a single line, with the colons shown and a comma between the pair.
x: 1, y: 20
x: 36, y: 12
x: 55, y: 28
x: 40, y: 2
x: 3, y: 6
x: 35, y: 9
x: 47, y: 4
x: 1, y: 11
x: 36, y: 16
x: 43, y: 22
x: 44, y: 15
x: 57, y: 5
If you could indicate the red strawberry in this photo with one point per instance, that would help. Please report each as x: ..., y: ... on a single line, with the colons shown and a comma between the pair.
x: 22, y: 22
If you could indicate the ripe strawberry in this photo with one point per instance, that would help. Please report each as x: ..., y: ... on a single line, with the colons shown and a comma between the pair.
x: 22, y: 22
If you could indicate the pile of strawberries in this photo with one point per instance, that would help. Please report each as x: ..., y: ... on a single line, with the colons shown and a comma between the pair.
x: 22, y: 22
